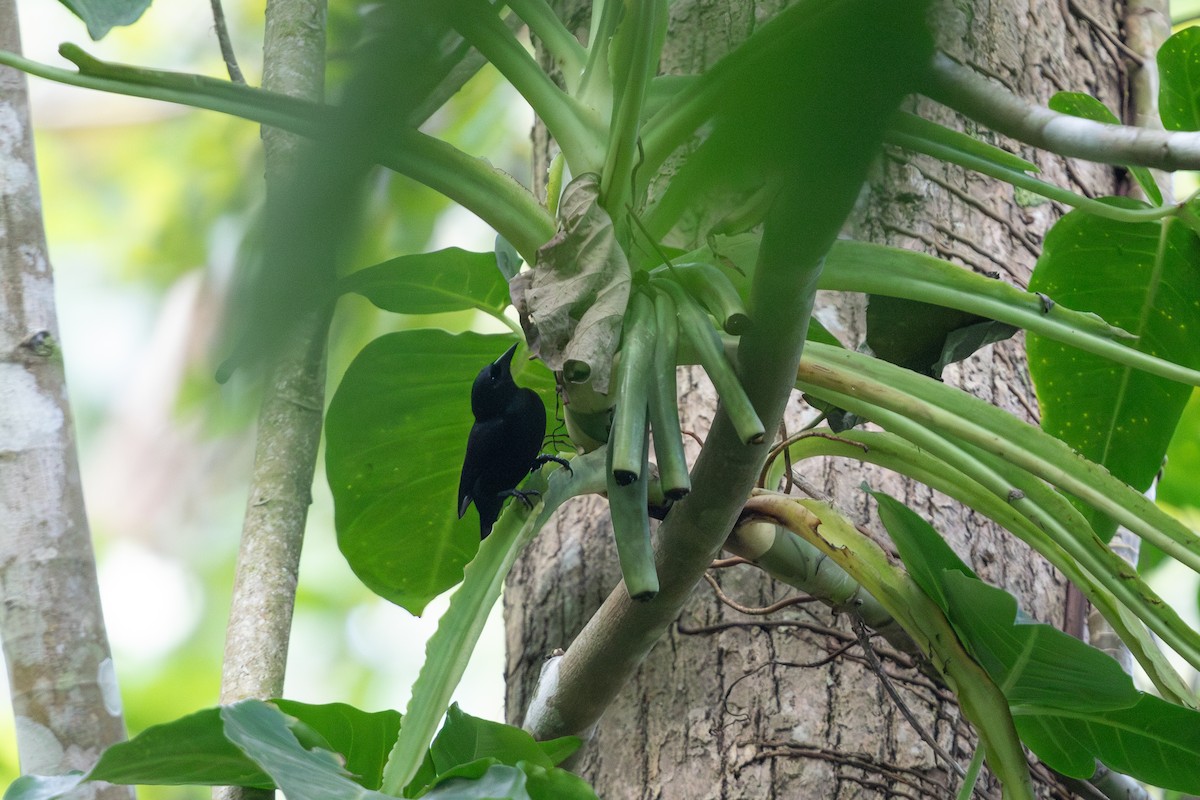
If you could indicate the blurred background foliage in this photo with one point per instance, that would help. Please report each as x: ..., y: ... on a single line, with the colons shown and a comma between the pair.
x: 148, y: 210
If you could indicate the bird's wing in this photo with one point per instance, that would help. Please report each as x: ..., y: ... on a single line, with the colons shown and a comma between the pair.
x: 474, y: 462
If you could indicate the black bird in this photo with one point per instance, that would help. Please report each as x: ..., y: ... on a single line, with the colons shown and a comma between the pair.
x: 510, y: 423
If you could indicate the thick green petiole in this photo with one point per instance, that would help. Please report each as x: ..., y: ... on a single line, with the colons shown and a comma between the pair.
x: 634, y: 374
x: 628, y: 505
x: 715, y: 291
x: 699, y: 332
x: 664, y: 408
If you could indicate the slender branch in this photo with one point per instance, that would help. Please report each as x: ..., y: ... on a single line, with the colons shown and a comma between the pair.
x: 227, y: 54
x: 989, y: 103
x: 289, y: 423
x: 864, y: 642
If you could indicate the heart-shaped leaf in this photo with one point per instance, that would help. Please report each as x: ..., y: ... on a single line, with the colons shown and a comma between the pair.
x: 396, y: 434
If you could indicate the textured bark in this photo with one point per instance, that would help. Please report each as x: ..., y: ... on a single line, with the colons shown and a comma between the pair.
x: 723, y: 707
x: 63, y: 684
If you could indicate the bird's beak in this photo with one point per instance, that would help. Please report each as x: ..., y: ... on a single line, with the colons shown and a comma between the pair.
x: 505, y: 361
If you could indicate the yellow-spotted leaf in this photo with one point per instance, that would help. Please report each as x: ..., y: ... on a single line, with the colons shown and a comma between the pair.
x: 1144, y: 278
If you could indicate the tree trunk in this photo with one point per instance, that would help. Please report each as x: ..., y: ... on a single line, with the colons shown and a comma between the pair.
x: 733, y: 705
x: 65, y: 697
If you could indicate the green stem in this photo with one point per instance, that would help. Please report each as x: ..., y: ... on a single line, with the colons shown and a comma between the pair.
x: 1040, y: 520
x: 664, y: 402
x: 968, y: 785
x: 560, y: 42
x: 576, y: 130
x: 628, y: 505
x: 634, y: 373
x: 920, y: 424
x: 980, y: 424
x: 639, y: 37
x: 450, y: 647
x: 874, y: 269
x: 705, y: 342
x: 1023, y: 181
x: 595, y: 86
x: 492, y: 195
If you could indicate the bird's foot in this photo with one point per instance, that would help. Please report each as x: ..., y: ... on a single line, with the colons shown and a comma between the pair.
x: 521, y: 495
x: 544, y: 459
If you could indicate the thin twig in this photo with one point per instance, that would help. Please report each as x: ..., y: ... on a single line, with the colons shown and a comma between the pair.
x: 227, y: 54
x: 783, y: 446
x: 864, y: 641
x: 757, y: 612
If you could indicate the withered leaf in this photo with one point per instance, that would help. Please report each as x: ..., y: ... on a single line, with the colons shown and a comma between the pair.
x: 571, y: 303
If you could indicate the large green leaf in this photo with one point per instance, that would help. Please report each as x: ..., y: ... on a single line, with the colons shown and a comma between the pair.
x: 396, y: 433
x: 301, y: 773
x: 1073, y: 704
x: 101, y: 16
x: 1038, y: 666
x: 1179, y: 77
x: 362, y: 738
x: 194, y: 750
x: 494, y: 782
x: 1180, y: 484
x: 1154, y: 741
x: 432, y: 283
x: 465, y: 738
x: 1034, y: 664
x: 1145, y: 280
x: 1082, y: 105
x: 925, y: 554
x: 158, y: 756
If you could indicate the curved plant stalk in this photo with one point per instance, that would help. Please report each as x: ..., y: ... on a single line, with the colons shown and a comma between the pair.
x: 705, y: 342
x: 965, y: 417
x: 713, y: 289
x: 664, y: 402
x: 635, y: 51
x: 1035, y: 521
x: 595, y: 85
x: 486, y: 191
x: 891, y: 271
x: 791, y: 559
x: 576, y: 129
x: 919, y: 423
x: 629, y: 510
x: 634, y: 373
x: 558, y: 41
x: 989, y: 103
x: 450, y: 647
x: 1023, y: 181
x: 981, y: 700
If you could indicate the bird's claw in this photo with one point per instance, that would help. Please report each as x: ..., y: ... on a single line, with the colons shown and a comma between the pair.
x: 544, y: 459
x: 522, y: 495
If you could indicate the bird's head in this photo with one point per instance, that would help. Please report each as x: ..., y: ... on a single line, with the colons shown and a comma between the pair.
x: 493, y: 386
